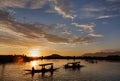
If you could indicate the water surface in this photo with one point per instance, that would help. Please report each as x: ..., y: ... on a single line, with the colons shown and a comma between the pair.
x: 100, y: 71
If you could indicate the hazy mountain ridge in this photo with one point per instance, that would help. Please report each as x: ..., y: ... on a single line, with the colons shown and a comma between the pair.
x: 102, y: 54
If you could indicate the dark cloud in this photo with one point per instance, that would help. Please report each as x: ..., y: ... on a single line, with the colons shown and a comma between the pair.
x: 5, y: 16
x: 12, y: 40
x: 31, y: 4
x: 83, y: 40
x: 55, y: 39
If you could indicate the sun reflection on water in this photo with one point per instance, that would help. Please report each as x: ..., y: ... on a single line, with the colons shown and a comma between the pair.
x: 34, y: 63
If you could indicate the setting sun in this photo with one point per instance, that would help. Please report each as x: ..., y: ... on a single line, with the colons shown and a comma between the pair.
x: 34, y: 52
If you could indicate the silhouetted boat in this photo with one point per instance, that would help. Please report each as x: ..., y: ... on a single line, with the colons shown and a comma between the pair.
x: 41, y: 71
x: 73, y: 65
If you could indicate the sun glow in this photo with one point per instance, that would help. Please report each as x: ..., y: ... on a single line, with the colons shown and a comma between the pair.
x: 34, y: 52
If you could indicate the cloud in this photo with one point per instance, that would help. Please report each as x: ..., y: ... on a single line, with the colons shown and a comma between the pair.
x: 106, y: 16
x: 36, y: 4
x: 11, y: 35
x: 92, y: 8
x: 101, y: 17
x: 19, y: 34
x: 5, y: 16
x: 7, y: 38
x: 31, y: 31
x: 63, y: 8
x: 25, y: 34
x: 88, y: 27
x: 58, y: 25
x: 55, y: 39
x: 95, y: 35
x: 22, y: 34
x: 80, y: 39
x: 66, y: 31
x: 99, y: 10
x: 14, y: 30
x: 90, y: 11
x: 31, y: 4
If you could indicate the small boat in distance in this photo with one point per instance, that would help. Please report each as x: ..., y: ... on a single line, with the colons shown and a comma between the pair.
x: 73, y: 65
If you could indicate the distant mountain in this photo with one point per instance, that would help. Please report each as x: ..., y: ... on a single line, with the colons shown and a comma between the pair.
x: 102, y: 54
x: 54, y: 56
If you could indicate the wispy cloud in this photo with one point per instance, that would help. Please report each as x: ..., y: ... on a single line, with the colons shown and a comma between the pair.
x: 101, y: 17
x: 89, y: 8
x: 88, y: 27
x: 64, y: 8
x: 99, y: 10
x: 66, y: 31
x: 79, y: 39
x: 61, y: 7
x: 95, y: 35
x: 90, y: 11
x: 58, y: 25
x: 106, y: 16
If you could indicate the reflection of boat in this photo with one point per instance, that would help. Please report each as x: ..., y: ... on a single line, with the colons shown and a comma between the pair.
x: 73, y: 65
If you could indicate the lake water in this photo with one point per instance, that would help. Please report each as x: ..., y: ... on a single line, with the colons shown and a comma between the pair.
x: 100, y: 71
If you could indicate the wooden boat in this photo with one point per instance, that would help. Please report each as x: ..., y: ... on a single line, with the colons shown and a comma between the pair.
x: 73, y: 65
x: 41, y: 70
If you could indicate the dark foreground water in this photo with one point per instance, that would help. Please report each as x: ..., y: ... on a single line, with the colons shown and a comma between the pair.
x: 100, y: 71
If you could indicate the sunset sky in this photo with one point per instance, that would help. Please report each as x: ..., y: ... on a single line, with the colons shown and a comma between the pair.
x: 65, y: 27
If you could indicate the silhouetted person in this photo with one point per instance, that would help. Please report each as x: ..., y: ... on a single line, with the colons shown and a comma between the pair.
x: 78, y: 65
x: 33, y: 69
x: 51, y: 67
x: 43, y: 69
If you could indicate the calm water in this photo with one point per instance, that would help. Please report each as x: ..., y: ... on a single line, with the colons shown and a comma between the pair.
x: 100, y: 71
